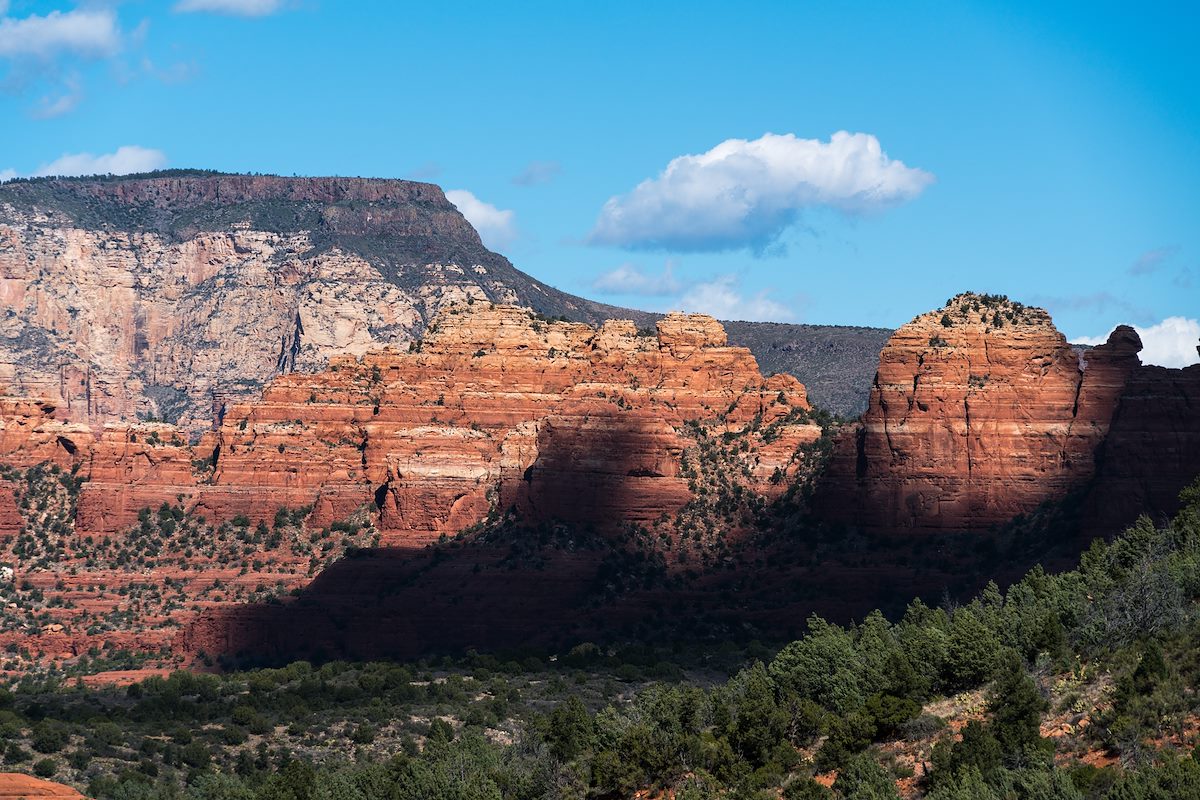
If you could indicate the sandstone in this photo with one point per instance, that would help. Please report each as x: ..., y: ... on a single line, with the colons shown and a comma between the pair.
x: 981, y: 411
x: 496, y: 409
x: 144, y: 297
x: 14, y: 785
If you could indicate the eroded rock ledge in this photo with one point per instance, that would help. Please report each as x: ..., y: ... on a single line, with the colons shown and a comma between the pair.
x: 495, y: 409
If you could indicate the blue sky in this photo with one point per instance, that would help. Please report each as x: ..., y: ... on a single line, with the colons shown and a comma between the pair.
x: 1048, y: 151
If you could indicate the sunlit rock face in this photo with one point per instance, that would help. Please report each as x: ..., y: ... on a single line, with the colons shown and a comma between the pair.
x: 496, y: 409
x: 980, y: 411
x: 143, y: 297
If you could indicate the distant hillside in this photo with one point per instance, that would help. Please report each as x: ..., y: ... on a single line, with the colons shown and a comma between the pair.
x: 144, y: 296
x: 837, y: 363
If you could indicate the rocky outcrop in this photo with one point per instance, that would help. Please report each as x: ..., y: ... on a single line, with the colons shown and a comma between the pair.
x: 143, y: 297
x: 980, y: 411
x: 18, y: 786
x: 497, y: 409
x: 498, y: 415
x: 33, y: 431
x: 1152, y: 450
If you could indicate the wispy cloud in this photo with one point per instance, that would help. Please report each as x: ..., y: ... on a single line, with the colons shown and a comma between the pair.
x: 87, y: 32
x: 631, y: 279
x: 39, y: 48
x: 723, y: 298
x: 427, y: 171
x: 237, y: 8
x: 55, y: 106
x: 747, y: 193
x: 1096, y: 302
x: 1151, y: 260
x: 123, y: 161
x: 497, y: 227
x: 537, y: 173
x: 1170, y: 343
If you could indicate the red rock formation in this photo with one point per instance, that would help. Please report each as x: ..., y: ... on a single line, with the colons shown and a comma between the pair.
x: 15, y: 786
x: 1152, y: 450
x: 11, y: 521
x: 32, y: 432
x: 134, y: 467
x: 496, y: 409
x: 980, y: 411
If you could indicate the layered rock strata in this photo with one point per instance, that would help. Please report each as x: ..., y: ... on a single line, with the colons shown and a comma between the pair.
x: 141, y: 297
x: 496, y: 409
x: 980, y: 411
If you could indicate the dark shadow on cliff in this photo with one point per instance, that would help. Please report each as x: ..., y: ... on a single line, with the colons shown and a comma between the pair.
x: 552, y: 586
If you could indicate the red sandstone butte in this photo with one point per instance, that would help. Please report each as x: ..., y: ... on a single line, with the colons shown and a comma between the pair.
x: 494, y: 409
x: 980, y: 411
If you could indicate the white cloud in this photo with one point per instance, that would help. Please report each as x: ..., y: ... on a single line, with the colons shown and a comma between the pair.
x: 537, y: 173
x: 746, y: 193
x: 497, y: 227
x: 90, y: 33
x: 1170, y: 343
x: 723, y: 299
x: 630, y: 279
x: 239, y: 8
x: 124, y: 161
x: 7, y: 175
x: 49, y: 106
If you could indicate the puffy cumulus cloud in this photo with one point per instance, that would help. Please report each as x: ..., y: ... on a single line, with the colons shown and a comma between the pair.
x: 746, y: 193
x: 537, y: 173
x: 238, y: 8
x: 1170, y: 343
x: 86, y: 32
x: 497, y: 227
x: 630, y: 279
x: 724, y: 299
x: 123, y: 161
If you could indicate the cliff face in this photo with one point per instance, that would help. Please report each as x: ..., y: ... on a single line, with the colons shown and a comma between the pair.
x: 494, y: 410
x: 1151, y: 451
x: 496, y: 416
x: 980, y: 411
x: 141, y: 297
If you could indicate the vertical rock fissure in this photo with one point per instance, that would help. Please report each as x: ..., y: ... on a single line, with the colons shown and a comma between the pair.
x: 288, y: 352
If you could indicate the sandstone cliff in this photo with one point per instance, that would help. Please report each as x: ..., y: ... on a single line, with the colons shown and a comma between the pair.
x: 495, y: 409
x: 981, y: 411
x: 142, y: 297
x: 498, y: 420
x: 148, y: 297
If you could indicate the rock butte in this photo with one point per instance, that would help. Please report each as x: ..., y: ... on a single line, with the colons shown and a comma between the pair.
x: 494, y: 409
x: 14, y: 785
x: 982, y: 411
